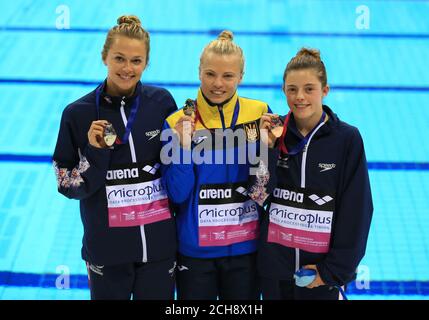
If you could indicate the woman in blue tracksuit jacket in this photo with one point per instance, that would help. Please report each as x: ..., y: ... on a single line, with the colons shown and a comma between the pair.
x: 129, y: 241
x: 217, y: 223
x: 319, y: 209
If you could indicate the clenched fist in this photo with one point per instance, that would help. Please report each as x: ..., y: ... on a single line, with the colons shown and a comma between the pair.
x: 270, y: 128
x: 96, y: 133
x: 184, y: 128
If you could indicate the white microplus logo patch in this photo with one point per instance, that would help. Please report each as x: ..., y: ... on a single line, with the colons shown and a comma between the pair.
x: 326, y: 166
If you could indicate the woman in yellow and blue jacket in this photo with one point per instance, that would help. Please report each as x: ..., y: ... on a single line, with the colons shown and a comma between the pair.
x: 217, y: 222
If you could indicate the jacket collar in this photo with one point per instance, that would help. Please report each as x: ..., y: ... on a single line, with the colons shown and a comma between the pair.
x: 114, y: 101
x: 210, y: 114
x: 326, y: 128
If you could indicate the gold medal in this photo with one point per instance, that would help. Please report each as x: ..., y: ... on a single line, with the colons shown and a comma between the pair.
x: 109, y: 135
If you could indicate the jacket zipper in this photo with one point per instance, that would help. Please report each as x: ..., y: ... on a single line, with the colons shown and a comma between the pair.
x: 220, y: 108
x: 134, y: 159
x: 303, y: 165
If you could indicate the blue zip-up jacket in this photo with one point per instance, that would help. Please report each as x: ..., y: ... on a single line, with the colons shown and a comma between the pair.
x: 81, y: 171
x: 184, y: 181
x: 335, y: 178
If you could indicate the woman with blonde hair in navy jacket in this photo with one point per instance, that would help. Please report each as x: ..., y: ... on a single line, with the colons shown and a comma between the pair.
x: 106, y: 157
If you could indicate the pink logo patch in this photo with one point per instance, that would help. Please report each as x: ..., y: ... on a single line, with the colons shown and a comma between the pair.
x: 317, y: 242
x: 138, y: 215
x: 229, y: 234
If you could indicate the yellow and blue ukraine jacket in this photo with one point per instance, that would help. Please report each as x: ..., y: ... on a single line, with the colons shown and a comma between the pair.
x: 209, y: 181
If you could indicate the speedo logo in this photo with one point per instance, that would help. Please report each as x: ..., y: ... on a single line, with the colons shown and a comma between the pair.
x: 198, y: 140
x: 326, y: 166
x: 122, y: 174
x: 288, y: 195
x: 152, y: 134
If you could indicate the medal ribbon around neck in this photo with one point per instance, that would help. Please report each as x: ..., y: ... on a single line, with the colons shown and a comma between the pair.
x: 297, y: 149
x: 233, y: 121
x: 130, y: 120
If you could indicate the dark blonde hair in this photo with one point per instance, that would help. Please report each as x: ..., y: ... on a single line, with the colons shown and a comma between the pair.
x: 223, y: 45
x: 307, y: 58
x: 128, y: 26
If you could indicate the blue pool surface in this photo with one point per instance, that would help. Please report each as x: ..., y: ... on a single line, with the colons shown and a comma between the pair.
x: 379, y: 83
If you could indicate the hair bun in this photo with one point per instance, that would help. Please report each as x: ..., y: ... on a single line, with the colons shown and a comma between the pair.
x: 226, y: 35
x: 129, y: 20
x: 309, y: 52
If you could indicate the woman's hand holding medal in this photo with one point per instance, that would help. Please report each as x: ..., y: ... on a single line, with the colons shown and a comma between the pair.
x: 272, y: 124
x: 101, y: 134
x: 185, y: 127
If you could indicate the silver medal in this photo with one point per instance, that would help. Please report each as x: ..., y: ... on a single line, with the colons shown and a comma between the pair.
x: 109, y: 135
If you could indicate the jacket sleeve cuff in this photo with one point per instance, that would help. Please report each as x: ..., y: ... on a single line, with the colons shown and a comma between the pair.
x: 98, y: 157
x: 326, y: 275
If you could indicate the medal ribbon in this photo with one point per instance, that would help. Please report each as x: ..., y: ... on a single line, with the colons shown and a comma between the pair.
x: 131, y: 118
x: 302, y: 143
x: 233, y: 121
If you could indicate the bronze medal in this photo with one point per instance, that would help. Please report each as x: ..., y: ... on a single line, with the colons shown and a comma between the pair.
x: 276, y: 126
